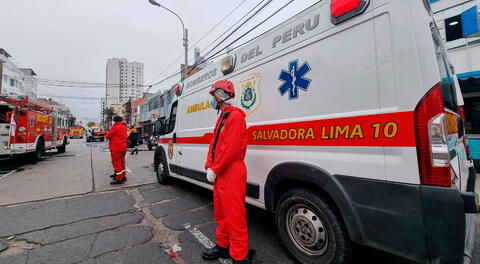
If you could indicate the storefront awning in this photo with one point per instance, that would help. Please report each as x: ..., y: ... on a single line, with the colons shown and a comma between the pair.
x: 466, y: 75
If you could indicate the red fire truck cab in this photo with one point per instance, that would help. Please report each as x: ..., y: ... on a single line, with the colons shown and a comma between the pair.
x: 30, y: 127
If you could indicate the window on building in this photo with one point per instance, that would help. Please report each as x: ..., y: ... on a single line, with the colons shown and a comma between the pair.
x: 453, y: 28
x: 12, y: 82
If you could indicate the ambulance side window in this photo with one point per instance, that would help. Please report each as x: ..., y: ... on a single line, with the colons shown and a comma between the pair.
x: 172, y: 119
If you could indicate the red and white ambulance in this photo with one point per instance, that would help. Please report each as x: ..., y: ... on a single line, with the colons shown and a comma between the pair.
x: 30, y: 127
x: 354, y: 133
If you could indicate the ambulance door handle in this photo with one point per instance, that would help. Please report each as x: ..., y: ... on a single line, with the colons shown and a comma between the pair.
x: 174, y: 137
x: 180, y: 152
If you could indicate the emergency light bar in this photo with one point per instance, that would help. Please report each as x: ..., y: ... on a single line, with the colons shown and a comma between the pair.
x: 342, y: 10
x: 178, y: 89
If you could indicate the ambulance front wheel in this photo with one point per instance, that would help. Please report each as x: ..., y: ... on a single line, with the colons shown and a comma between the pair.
x: 161, y: 167
x: 311, y: 228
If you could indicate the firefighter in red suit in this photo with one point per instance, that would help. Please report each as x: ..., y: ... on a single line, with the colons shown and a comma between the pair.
x: 227, y: 171
x: 117, y: 137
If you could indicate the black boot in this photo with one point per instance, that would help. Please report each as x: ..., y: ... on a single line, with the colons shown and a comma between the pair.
x: 113, y: 176
x: 215, y: 253
x: 115, y: 182
x: 247, y: 260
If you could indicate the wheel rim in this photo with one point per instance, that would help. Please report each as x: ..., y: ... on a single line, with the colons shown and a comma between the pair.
x: 160, y: 170
x: 307, y: 231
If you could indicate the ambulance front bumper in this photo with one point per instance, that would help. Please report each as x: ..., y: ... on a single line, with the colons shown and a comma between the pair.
x: 425, y: 224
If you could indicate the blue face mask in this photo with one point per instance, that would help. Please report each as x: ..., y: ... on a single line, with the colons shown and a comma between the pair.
x: 213, y: 104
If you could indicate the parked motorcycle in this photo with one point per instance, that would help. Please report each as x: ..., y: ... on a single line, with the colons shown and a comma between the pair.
x: 152, y: 142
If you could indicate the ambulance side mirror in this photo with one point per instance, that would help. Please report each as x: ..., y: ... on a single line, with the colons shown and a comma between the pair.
x: 166, y: 126
x: 158, y: 127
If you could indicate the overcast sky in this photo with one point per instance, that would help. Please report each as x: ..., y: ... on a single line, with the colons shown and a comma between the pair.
x: 72, y: 39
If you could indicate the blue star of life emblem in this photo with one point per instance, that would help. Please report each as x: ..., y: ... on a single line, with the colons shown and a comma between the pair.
x: 294, y: 79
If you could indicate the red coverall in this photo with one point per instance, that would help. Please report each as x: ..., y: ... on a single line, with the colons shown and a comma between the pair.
x: 117, y: 137
x: 229, y: 189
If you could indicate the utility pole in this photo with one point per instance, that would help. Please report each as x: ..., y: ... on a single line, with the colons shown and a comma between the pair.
x: 185, y: 44
x: 1, y: 75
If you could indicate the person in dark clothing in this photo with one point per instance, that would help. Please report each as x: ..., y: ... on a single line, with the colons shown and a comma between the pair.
x: 133, y: 139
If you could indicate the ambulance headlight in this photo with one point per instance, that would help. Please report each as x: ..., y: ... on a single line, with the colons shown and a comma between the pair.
x: 228, y: 64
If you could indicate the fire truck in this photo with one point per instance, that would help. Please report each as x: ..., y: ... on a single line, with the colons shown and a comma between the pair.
x: 97, y: 134
x: 30, y: 127
x: 77, y: 132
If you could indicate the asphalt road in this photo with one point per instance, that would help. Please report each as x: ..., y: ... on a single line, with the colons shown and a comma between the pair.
x: 63, y: 210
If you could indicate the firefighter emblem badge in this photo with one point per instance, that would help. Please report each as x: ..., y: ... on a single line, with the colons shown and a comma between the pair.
x: 170, y: 149
x: 250, y: 96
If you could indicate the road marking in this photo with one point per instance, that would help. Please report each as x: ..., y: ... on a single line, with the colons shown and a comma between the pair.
x: 204, y: 240
x: 128, y: 170
x: 8, y: 174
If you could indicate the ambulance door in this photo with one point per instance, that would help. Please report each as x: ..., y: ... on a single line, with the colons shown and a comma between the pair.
x: 170, y: 142
x: 456, y: 146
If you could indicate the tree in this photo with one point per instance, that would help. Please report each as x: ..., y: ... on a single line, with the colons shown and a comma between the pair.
x: 90, y: 124
x: 108, y: 113
x: 127, y: 110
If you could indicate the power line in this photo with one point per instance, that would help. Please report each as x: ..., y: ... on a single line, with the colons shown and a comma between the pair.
x: 74, y: 84
x: 71, y: 97
x: 234, y: 24
x: 214, y: 56
x: 92, y: 87
x: 206, y: 34
x: 243, y: 35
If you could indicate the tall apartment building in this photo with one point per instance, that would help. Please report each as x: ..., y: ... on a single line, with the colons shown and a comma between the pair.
x: 124, y: 81
x: 458, y: 23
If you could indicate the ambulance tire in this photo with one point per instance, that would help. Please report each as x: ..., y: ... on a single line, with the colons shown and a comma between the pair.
x: 161, y: 167
x: 311, y: 229
x: 39, y: 151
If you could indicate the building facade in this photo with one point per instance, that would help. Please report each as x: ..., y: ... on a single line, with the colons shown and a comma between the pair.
x: 135, y: 120
x: 30, y: 84
x: 458, y: 22
x: 124, y: 81
x: 14, y: 80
